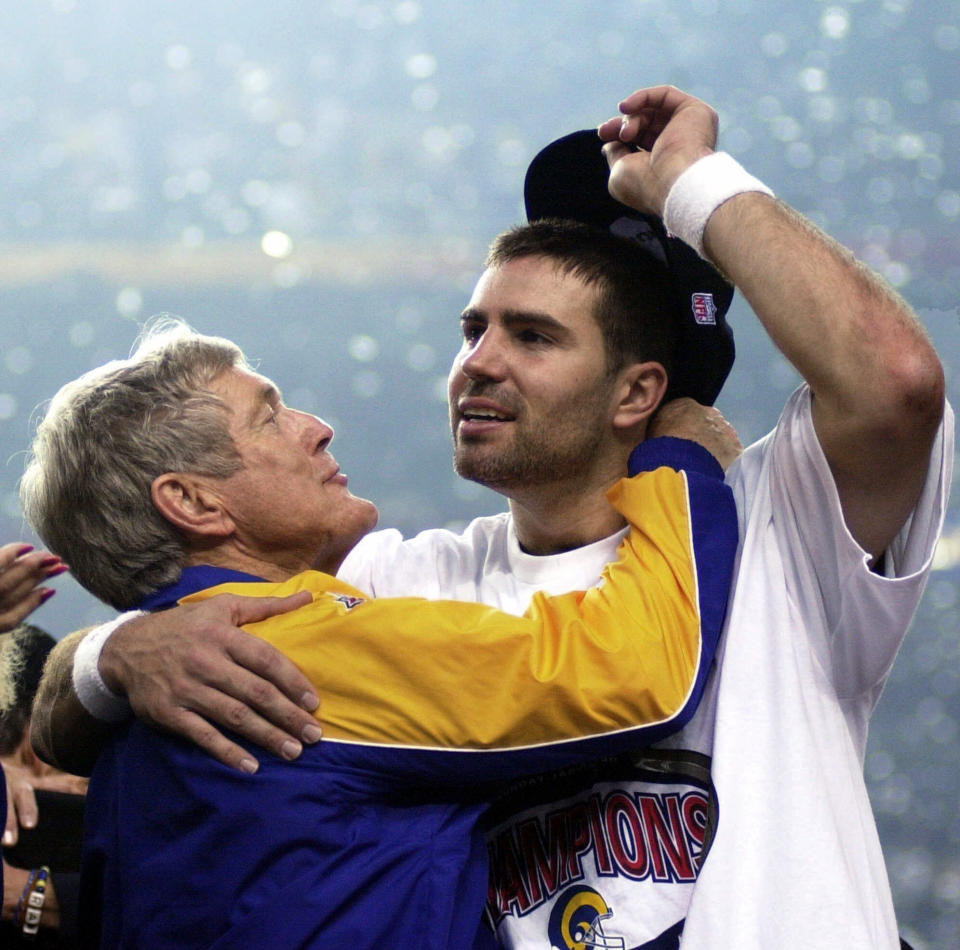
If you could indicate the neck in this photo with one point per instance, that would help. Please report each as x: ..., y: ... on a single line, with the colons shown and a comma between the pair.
x: 562, y: 524
x: 271, y: 567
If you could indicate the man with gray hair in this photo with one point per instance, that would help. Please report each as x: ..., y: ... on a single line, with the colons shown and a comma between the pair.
x: 180, y: 474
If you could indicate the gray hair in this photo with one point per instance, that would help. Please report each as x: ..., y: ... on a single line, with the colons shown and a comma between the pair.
x: 105, y: 438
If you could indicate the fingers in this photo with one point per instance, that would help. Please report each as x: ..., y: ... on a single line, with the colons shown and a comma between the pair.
x: 653, y: 100
x: 198, y: 718
x: 207, y: 737
x: 9, y: 619
x: 276, y: 699
x: 57, y: 781
x: 638, y: 129
x: 25, y: 804
x: 254, y: 609
x: 21, y: 805
x: 615, y: 150
x: 609, y: 131
x: 11, y: 831
x: 647, y: 113
x: 630, y: 180
x: 22, y: 570
x: 10, y: 552
x: 266, y: 661
x: 193, y: 671
x: 687, y: 419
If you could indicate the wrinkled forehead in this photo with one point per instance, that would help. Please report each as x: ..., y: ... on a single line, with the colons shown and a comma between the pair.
x: 244, y: 391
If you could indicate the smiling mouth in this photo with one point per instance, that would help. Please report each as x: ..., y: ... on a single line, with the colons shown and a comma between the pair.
x: 485, y: 415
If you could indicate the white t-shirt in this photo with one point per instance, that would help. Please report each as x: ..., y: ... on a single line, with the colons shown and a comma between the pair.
x: 773, y: 845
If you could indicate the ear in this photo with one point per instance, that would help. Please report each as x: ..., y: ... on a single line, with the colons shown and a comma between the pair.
x: 191, y: 504
x: 640, y: 390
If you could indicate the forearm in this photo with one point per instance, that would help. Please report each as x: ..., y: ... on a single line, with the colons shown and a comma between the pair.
x: 847, y: 332
x: 877, y: 382
x: 15, y: 881
x: 62, y: 732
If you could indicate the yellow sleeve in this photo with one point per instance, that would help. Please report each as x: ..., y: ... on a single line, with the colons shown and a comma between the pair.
x: 451, y: 675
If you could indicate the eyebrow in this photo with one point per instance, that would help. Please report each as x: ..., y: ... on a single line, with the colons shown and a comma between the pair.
x: 267, y: 394
x: 511, y: 318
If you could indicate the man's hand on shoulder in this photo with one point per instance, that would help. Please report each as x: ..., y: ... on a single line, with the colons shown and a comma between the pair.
x: 190, y: 669
x: 686, y: 419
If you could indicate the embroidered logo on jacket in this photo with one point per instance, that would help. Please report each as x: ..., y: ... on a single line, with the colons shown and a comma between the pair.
x: 348, y: 600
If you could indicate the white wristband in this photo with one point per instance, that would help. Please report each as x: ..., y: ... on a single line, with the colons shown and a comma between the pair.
x: 700, y: 190
x: 95, y: 696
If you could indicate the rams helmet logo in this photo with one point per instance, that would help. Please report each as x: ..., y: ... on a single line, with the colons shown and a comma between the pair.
x: 576, y: 921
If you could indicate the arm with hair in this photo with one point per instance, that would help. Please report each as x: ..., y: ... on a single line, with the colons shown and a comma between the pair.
x: 877, y: 382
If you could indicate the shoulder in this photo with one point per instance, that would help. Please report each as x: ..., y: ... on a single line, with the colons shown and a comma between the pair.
x: 785, y: 490
x: 387, y: 564
x: 791, y: 446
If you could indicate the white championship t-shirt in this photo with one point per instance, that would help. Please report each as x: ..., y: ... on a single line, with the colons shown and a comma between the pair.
x: 752, y: 826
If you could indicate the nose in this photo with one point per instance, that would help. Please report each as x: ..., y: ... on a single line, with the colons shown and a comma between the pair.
x: 314, y: 432
x: 485, y: 359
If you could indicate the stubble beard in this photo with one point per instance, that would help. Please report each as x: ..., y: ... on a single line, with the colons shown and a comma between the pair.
x: 533, y: 456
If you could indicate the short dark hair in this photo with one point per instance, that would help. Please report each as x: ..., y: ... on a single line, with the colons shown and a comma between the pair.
x: 634, y: 307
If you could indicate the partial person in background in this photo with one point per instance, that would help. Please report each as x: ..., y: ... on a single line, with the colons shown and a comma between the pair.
x: 45, y: 859
x: 23, y: 572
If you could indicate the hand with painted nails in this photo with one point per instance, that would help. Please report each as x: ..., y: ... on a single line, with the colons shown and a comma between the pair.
x: 22, y: 574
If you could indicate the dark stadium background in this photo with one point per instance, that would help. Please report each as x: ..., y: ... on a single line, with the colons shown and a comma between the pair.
x: 318, y: 180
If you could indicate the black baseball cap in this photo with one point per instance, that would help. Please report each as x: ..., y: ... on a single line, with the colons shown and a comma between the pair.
x: 568, y: 179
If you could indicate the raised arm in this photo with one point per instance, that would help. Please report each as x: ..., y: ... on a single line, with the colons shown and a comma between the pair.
x: 877, y: 382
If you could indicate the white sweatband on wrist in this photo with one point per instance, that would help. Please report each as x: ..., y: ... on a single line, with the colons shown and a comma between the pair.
x: 700, y: 190
x: 94, y: 695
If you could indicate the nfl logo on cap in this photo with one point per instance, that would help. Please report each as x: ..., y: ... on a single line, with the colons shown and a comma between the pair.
x: 704, y: 309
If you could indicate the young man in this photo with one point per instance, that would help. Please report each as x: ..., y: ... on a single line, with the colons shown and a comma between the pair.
x: 751, y: 828
x: 196, y: 479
